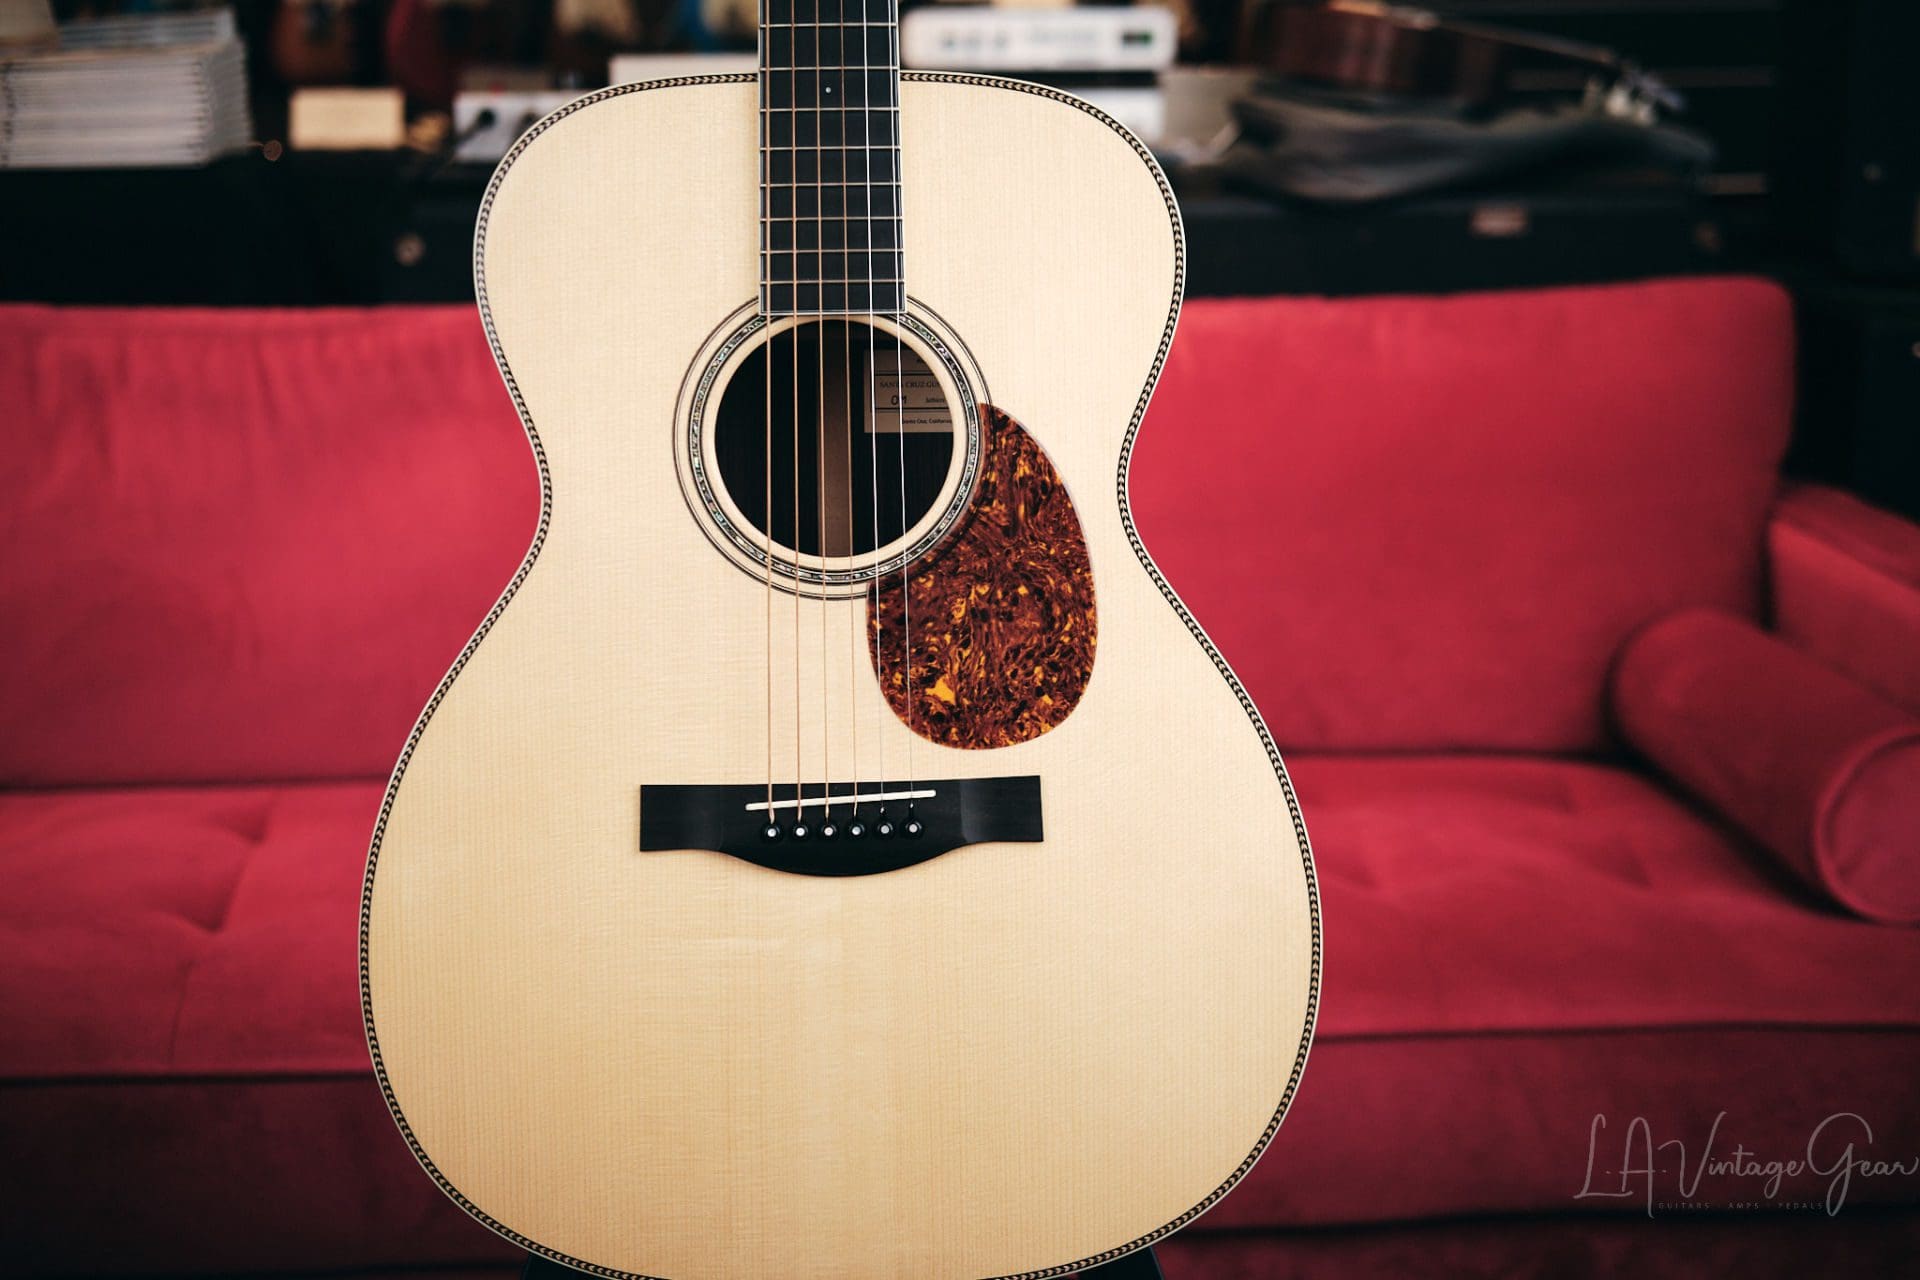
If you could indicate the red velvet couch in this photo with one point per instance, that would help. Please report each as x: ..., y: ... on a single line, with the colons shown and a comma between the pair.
x: 241, y: 548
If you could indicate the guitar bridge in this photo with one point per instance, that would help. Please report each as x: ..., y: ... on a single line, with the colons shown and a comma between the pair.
x: 818, y: 831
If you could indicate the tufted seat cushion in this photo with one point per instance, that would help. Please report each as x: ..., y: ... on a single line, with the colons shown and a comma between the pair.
x: 1522, y: 943
x: 173, y: 931
x: 183, y: 1069
x: 1516, y: 945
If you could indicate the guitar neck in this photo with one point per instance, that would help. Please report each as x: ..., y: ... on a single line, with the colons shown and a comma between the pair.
x: 830, y: 208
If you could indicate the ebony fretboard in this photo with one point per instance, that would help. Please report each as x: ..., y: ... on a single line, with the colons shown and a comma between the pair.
x: 830, y: 158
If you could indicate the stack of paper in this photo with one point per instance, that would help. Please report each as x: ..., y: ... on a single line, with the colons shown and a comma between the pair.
x: 139, y: 91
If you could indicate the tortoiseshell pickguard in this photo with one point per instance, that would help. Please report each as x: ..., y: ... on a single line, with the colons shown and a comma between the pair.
x: 1002, y: 611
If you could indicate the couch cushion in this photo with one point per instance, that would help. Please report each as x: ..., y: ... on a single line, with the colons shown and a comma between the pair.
x: 1516, y: 946
x: 1512, y: 947
x: 243, y: 544
x: 1846, y: 587
x: 1476, y: 894
x: 1428, y: 523
x: 207, y: 931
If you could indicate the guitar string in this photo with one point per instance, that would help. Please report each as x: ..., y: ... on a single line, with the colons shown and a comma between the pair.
x: 799, y: 755
x: 820, y: 419
x: 856, y: 616
x: 793, y: 200
x: 820, y: 509
x: 900, y: 401
x: 847, y: 401
x: 873, y: 456
x: 766, y: 519
x: 767, y: 273
x: 846, y: 476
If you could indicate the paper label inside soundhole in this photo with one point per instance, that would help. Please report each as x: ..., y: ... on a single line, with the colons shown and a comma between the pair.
x: 907, y: 398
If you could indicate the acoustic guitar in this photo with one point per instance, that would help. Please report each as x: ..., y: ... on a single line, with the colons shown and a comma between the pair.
x: 838, y: 852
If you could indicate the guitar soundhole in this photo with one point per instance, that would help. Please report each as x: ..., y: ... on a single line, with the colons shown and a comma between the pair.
x: 853, y: 442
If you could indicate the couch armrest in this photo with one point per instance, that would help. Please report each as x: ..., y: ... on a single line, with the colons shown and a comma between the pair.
x: 1846, y: 587
x: 1821, y: 772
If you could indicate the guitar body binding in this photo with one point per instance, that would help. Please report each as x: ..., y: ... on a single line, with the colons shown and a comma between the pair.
x: 1043, y: 1049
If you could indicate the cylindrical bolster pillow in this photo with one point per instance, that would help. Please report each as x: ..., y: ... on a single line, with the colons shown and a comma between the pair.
x: 1820, y: 771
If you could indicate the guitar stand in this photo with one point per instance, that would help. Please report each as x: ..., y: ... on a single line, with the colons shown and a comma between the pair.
x: 1140, y: 1265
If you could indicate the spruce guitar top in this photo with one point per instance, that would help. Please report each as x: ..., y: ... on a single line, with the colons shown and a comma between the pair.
x: 838, y: 853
